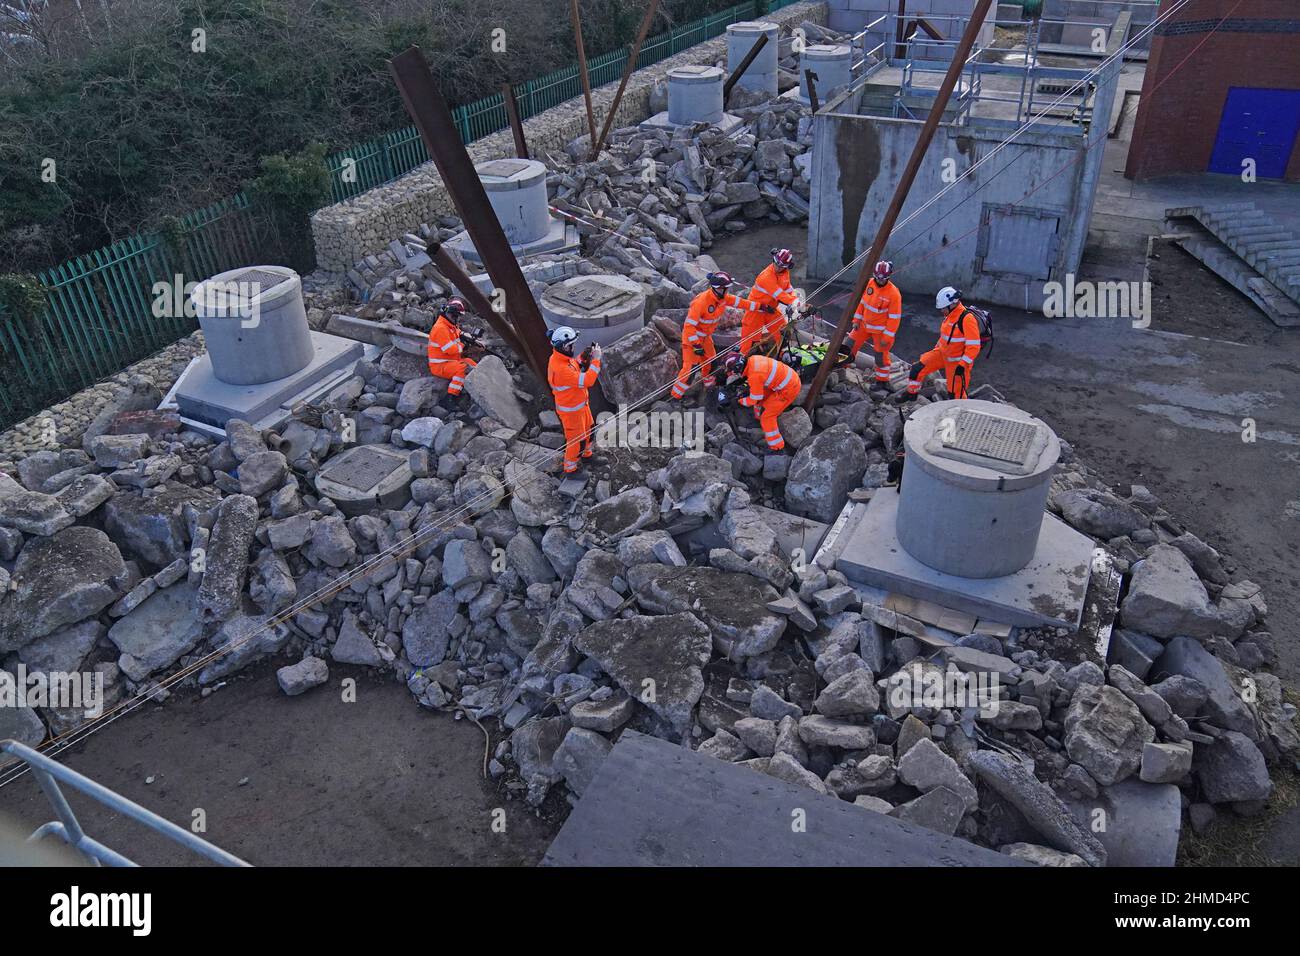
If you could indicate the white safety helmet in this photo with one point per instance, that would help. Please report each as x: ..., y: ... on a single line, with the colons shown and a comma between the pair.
x: 946, y: 298
x: 562, y: 337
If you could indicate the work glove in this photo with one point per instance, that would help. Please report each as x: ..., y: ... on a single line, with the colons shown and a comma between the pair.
x: 766, y: 308
x: 699, y: 350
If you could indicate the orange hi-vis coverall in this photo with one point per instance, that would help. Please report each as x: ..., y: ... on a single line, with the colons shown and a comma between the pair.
x: 959, y: 343
x: 877, y: 318
x: 773, y: 386
x: 569, y: 384
x: 697, y: 332
x: 771, y: 289
x: 447, y: 355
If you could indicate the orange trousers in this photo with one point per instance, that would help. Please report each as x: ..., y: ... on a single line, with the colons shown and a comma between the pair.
x: 453, y: 369
x: 579, y: 436
x: 879, y: 344
x: 932, y: 361
x: 689, y: 361
x: 770, y: 409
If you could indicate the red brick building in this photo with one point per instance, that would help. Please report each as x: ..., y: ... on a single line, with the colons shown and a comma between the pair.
x: 1229, y: 104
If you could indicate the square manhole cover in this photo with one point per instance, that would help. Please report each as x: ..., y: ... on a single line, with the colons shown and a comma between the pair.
x: 589, y: 294
x: 989, y: 436
x: 503, y: 168
x: 362, y: 468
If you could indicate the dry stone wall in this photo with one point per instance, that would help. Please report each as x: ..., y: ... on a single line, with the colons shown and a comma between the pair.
x: 362, y: 226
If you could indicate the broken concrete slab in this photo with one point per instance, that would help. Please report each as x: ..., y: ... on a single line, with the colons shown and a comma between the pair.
x: 158, y: 632
x: 1138, y: 823
x: 733, y: 606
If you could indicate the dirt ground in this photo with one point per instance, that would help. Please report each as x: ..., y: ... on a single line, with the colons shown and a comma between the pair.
x: 302, y: 781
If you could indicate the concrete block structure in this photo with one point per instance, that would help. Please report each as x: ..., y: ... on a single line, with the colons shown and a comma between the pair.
x: 852, y: 15
x: 1240, y: 103
x: 1006, y: 224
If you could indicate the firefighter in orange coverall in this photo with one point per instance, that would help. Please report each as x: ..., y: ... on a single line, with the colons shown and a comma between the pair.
x: 771, y: 294
x: 697, y: 332
x: 876, y: 320
x: 773, y: 387
x: 570, y: 378
x: 959, y: 343
x: 446, y: 350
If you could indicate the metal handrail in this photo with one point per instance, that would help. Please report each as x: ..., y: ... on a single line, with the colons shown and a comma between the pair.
x: 49, y: 773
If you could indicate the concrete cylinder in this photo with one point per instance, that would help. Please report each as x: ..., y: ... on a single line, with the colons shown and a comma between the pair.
x: 762, y: 73
x: 975, y: 487
x: 694, y: 95
x: 254, y: 324
x: 516, y: 188
x: 600, y: 308
x: 832, y: 64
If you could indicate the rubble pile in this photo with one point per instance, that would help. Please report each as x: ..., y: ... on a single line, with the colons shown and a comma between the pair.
x: 658, y: 599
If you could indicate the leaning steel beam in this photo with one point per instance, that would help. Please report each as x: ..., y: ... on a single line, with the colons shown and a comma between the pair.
x: 476, y: 300
x: 582, y: 68
x: 958, y: 64
x: 810, y: 79
x: 433, y: 118
x: 627, y: 73
x: 740, y: 70
x: 512, y: 114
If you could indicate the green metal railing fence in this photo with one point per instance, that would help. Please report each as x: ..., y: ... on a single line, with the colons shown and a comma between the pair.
x: 100, y: 314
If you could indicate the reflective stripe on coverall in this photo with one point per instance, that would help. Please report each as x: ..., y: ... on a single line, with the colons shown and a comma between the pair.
x: 569, y: 384
x: 959, y: 343
x: 876, y: 319
x: 701, y: 321
x: 773, y: 386
x: 446, y: 355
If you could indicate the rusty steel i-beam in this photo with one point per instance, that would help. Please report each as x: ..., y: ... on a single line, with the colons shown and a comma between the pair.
x: 476, y: 300
x: 742, y: 67
x: 433, y: 118
x: 582, y: 69
x: 627, y: 74
x: 516, y: 125
x: 900, y: 195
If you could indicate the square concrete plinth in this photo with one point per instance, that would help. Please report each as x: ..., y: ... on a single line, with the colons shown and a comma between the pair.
x: 205, y: 400
x: 1049, y: 591
x: 560, y: 237
x: 660, y: 121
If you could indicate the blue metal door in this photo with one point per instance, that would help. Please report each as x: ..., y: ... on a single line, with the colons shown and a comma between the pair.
x: 1260, y: 125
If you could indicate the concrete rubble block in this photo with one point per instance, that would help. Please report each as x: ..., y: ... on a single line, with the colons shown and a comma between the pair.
x: 747, y: 534
x: 1224, y: 707
x: 242, y: 640
x: 83, y: 495
x: 491, y: 387
x: 535, y: 499
x: 527, y: 559
x: 354, y: 645
x: 1105, y: 733
x: 784, y: 767
x: 225, y: 565
x: 1277, y: 721
x: 1042, y: 809
x: 636, y: 365
x: 650, y: 547
x: 940, y: 810
x: 159, y: 632
x: 429, y: 630
x: 533, y: 745
x: 60, y: 580
x: 301, y: 677
x: 819, y: 731
x: 1166, y: 763
x: 757, y: 734
x: 733, y: 606
x: 30, y: 512
x: 656, y: 660
x: 331, y: 543
x: 1154, y: 708
x: 1040, y: 855
x: 63, y: 650
x: 796, y: 427
x: 465, y: 562
x: 605, y: 716
x: 1166, y: 599
x: 767, y: 704
x: 154, y: 529
x: 262, y: 472
x: 1138, y: 823
x: 419, y: 395
x: 1135, y: 651
x: 925, y: 767
x: 1099, y: 513
x: 579, y: 756
x: 824, y: 471
x: 849, y: 695
x: 623, y: 514
x: 245, y: 440
x: 1231, y: 770
x: 725, y: 746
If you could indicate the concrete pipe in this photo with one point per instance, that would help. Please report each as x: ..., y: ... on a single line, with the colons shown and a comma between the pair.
x: 975, y: 487
x: 516, y: 189
x: 600, y: 308
x: 762, y: 73
x: 694, y: 95
x: 832, y: 64
x: 254, y: 324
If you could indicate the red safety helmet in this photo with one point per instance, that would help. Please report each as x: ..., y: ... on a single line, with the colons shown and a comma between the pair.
x: 454, y: 308
x: 734, y: 364
x: 783, y: 258
x: 884, y: 270
x: 720, y: 280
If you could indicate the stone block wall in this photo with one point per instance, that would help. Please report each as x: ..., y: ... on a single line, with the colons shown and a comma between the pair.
x: 364, y: 224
